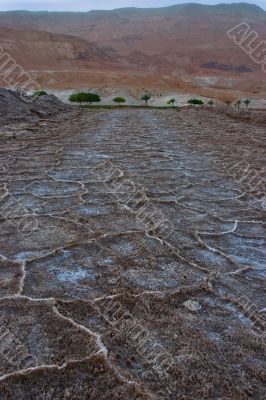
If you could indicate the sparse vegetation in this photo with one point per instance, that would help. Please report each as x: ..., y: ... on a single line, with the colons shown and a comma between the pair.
x: 196, y: 102
x: 146, y: 98
x: 119, y: 100
x: 228, y: 102
x: 39, y: 93
x: 211, y: 103
x: 171, y: 102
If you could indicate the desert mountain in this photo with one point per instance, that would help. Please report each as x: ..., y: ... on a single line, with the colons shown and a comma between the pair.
x: 165, y: 44
x: 59, y: 60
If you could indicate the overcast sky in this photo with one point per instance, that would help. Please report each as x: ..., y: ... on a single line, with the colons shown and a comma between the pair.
x: 86, y: 5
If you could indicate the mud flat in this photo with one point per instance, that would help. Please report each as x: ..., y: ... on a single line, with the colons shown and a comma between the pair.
x: 132, y: 263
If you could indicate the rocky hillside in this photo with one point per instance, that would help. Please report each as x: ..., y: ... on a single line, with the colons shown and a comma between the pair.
x: 15, y: 108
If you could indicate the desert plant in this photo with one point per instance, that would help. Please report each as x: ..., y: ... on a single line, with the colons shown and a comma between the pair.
x: 39, y: 93
x: 211, y: 103
x: 197, y: 102
x: 238, y: 103
x: 171, y: 102
x: 146, y: 98
x: 119, y: 100
x: 247, y: 102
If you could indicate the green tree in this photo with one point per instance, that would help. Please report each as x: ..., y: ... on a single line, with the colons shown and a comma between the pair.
x: 93, y: 98
x: 78, y: 98
x: 197, y: 102
x: 119, y: 100
x: 211, y: 103
x: 247, y: 102
x: 83, y: 97
x: 73, y: 98
x: 171, y: 102
x: 39, y: 93
x: 146, y: 98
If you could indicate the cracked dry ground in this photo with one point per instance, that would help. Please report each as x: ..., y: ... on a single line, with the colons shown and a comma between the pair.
x: 89, y: 250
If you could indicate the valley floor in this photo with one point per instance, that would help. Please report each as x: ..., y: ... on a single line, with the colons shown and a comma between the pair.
x: 131, y: 257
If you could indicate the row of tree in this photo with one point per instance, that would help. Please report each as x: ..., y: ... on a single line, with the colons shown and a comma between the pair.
x: 87, y: 97
x: 91, y: 98
x: 212, y: 102
x: 239, y: 102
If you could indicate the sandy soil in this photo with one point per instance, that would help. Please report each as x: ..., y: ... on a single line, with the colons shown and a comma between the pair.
x: 100, y: 301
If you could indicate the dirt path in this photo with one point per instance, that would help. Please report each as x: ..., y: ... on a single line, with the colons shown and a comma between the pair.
x: 131, y: 257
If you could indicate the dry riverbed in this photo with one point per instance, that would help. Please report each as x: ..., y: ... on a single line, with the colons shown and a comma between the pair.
x: 132, y: 263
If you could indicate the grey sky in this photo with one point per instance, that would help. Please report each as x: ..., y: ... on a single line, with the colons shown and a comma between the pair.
x: 86, y: 5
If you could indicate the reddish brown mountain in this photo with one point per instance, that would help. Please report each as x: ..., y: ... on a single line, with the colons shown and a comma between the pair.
x: 41, y: 50
x: 67, y: 62
x: 184, y: 42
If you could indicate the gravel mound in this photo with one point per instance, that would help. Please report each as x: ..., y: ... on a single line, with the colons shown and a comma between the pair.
x: 15, y: 108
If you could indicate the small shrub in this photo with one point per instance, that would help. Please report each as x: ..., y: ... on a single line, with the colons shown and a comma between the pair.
x: 119, y: 100
x: 196, y: 102
x: 39, y: 93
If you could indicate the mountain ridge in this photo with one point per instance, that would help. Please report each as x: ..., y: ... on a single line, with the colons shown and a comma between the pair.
x: 179, y: 6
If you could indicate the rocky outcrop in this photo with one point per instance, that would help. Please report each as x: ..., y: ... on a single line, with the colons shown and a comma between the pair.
x: 14, y: 107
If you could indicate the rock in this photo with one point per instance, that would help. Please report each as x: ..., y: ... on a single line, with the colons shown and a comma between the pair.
x: 192, y: 305
x: 13, y: 108
x: 40, y: 113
